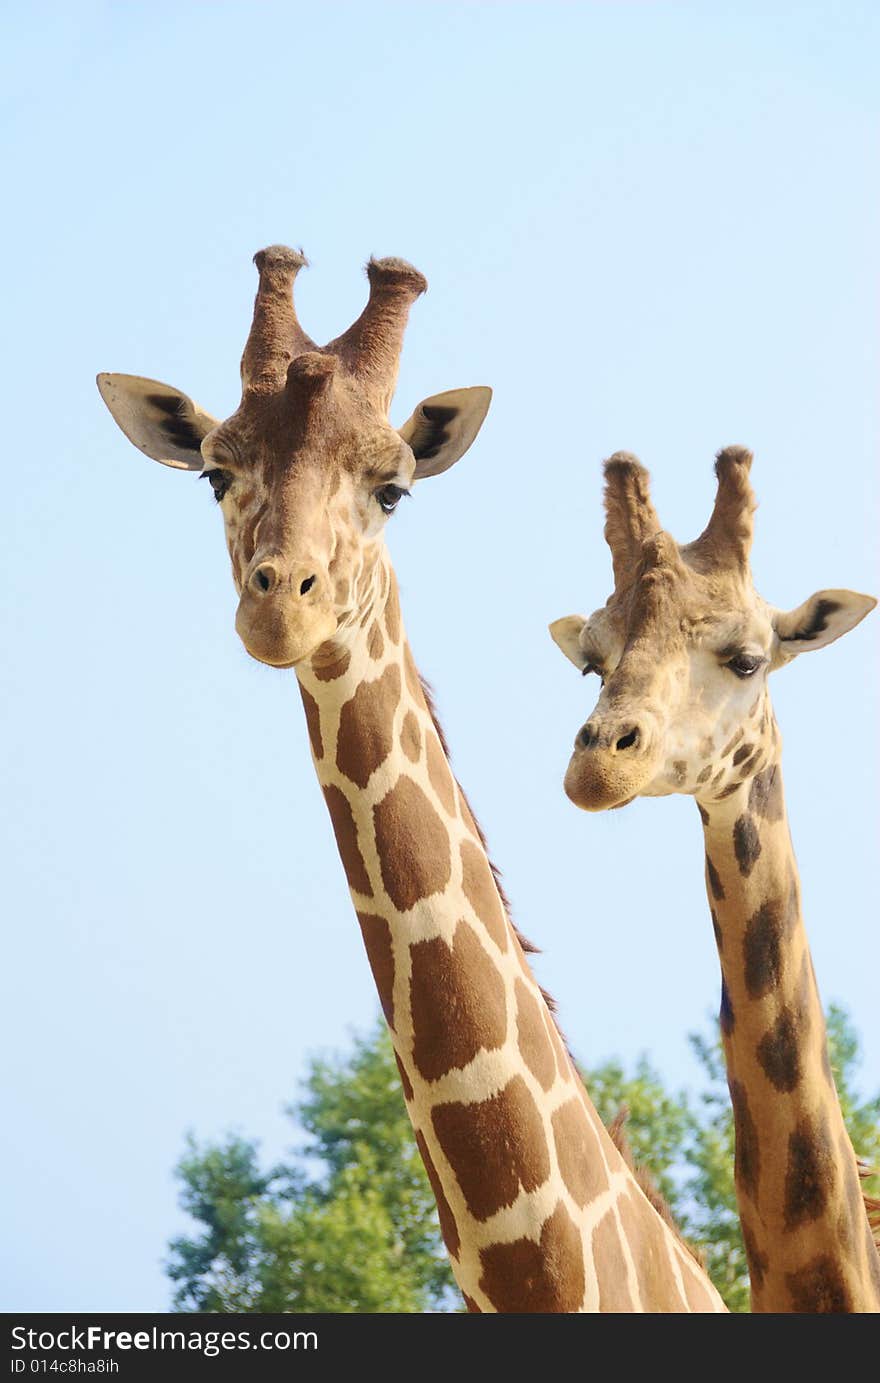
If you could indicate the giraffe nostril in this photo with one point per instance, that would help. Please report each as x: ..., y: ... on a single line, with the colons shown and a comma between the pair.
x: 263, y: 578
x: 587, y: 736
x: 307, y: 585
x: 629, y: 740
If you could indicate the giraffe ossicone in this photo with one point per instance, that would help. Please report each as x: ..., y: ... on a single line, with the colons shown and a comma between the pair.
x: 539, y: 1209
x: 683, y: 648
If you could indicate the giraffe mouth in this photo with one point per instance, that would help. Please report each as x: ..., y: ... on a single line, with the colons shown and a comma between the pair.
x: 279, y: 636
x: 280, y: 667
x: 599, y: 782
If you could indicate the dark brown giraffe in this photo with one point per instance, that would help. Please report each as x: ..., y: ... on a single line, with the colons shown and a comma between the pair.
x: 539, y: 1209
x: 683, y: 648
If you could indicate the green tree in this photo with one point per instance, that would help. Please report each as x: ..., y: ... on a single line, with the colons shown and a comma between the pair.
x: 360, y: 1233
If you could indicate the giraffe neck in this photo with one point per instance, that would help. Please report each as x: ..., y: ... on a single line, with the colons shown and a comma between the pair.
x: 539, y: 1211
x: 805, y: 1228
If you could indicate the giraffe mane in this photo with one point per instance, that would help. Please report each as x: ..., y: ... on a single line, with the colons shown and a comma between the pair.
x: 871, y: 1202
x: 647, y: 1184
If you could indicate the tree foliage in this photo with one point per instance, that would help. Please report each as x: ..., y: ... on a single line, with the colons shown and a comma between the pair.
x: 349, y: 1225
x: 359, y: 1234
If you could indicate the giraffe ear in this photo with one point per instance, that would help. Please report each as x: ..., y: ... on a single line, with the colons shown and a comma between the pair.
x: 443, y: 427
x: 566, y: 634
x: 161, y: 421
x: 819, y: 621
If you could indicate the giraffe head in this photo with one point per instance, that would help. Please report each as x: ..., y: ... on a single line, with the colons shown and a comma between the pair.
x: 308, y: 469
x: 683, y: 648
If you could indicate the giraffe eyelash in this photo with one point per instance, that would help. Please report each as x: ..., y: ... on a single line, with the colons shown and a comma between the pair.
x: 219, y: 481
x: 745, y: 665
x: 389, y: 496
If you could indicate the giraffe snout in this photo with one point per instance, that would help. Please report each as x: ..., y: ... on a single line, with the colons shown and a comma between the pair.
x: 268, y: 578
x: 614, y: 760
x: 619, y: 738
x: 285, y: 611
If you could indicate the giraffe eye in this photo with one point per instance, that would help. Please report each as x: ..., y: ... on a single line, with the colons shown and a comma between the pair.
x: 745, y: 664
x: 389, y: 496
x: 219, y: 482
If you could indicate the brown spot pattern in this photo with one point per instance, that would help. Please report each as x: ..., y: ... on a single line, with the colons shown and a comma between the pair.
x: 471, y: 1305
x: 703, y: 774
x: 448, y: 1227
x: 765, y: 795
x: 727, y: 792
x: 742, y: 753
x: 457, y: 1002
x: 762, y: 948
x: 347, y: 840
x: 809, y: 1173
x: 613, y: 1286
x: 534, y: 1044
x: 704, y: 815
x: 375, y: 642
x: 577, y: 1150
x: 779, y: 1049
x: 727, y: 1017
x: 562, y: 1062
x: 647, y: 1241
x: 482, y: 894
x: 392, y: 613
x: 731, y: 744
x: 439, y: 774
x: 465, y: 814
x: 525, y: 1277
x: 313, y: 722
x: 494, y: 1146
x: 377, y: 940
x: 365, y: 727
x: 746, y: 844
x: 404, y: 1078
x: 411, y: 737
x: 819, y: 1288
x: 756, y: 1259
x: 715, y: 883
x: 748, y: 1152
x: 335, y: 666
x: 413, y: 845
x: 413, y: 680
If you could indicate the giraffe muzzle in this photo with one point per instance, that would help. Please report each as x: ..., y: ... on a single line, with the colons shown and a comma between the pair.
x: 283, y: 616
x: 613, y: 762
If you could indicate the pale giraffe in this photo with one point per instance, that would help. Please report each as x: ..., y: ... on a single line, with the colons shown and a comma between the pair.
x: 539, y: 1209
x: 683, y: 647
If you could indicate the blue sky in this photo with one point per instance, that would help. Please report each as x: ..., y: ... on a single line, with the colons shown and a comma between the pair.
x: 647, y: 226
